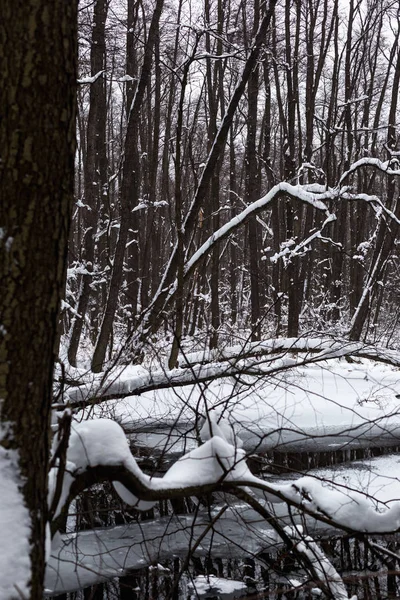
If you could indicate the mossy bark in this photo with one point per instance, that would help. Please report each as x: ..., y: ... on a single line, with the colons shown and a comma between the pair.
x: 37, y: 146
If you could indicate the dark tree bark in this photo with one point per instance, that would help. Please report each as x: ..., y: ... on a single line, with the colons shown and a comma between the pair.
x: 276, y: 221
x: 252, y: 192
x: 37, y: 147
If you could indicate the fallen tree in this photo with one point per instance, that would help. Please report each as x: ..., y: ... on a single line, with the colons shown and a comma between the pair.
x: 262, y: 359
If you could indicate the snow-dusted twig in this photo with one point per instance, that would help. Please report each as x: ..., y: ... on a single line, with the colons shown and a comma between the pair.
x: 287, y: 254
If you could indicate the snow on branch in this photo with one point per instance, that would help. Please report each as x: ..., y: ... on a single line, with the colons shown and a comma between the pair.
x: 266, y: 347
x: 98, y: 451
x: 90, y: 80
x: 321, y: 566
x: 376, y: 203
x: 298, y: 192
x: 384, y: 166
x: 288, y: 253
x: 315, y: 195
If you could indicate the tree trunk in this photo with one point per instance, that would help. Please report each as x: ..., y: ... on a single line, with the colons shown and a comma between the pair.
x: 37, y: 141
x: 129, y: 195
x: 252, y: 191
x: 233, y: 266
x: 386, y: 235
x: 94, y: 170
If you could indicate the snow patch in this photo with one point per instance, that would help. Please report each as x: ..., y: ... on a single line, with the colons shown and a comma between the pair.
x: 15, y: 566
x: 210, y: 585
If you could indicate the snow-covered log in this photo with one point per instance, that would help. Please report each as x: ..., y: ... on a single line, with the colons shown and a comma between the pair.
x: 264, y: 358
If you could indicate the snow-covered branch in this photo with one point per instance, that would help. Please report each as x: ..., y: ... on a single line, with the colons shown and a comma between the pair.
x: 321, y: 566
x: 90, y: 79
x: 314, y: 195
x: 325, y: 347
x: 297, y: 192
x: 383, y: 166
x: 98, y: 450
x: 288, y: 253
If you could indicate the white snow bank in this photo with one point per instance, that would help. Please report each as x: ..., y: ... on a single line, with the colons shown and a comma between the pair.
x: 333, y: 398
x: 15, y: 530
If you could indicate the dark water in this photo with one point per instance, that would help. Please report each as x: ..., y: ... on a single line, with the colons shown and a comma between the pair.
x: 266, y: 569
x: 268, y: 575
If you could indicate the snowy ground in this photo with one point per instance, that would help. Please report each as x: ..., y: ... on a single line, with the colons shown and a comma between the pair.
x: 14, y: 528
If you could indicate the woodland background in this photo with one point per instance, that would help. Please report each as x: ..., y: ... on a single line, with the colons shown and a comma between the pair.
x: 322, y: 94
